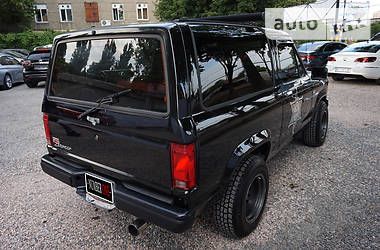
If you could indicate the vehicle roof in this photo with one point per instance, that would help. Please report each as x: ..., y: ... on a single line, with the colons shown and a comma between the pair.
x: 280, y: 35
x: 365, y: 42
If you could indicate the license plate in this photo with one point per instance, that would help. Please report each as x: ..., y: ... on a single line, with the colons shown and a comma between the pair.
x: 344, y: 70
x: 99, y: 187
x: 40, y: 67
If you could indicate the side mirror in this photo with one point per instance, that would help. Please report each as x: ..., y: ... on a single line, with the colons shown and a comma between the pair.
x: 319, y: 73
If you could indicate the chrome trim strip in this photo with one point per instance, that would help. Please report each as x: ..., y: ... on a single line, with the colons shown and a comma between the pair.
x: 99, y: 165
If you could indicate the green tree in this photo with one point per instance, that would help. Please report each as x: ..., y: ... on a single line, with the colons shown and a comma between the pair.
x: 375, y: 28
x: 172, y: 9
x: 15, y: 15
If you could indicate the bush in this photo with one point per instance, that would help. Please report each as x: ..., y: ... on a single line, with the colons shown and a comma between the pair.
x: 27, y: 39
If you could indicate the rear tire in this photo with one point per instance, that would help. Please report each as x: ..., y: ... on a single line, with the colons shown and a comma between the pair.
x: 314, y: 134
x: 238, y: 210
x: 7, y: 82
x: 31, y: 84
x: 337, y: 77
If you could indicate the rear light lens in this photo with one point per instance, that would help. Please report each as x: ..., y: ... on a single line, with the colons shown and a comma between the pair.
x: 365, y: 59
x: 331, y: 59
x: 308, y: 57
x: 183, y: 165
x: 47, y: 129
x: 26, y: 63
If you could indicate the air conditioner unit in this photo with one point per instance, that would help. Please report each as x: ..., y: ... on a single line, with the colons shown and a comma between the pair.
x: 105, y: 22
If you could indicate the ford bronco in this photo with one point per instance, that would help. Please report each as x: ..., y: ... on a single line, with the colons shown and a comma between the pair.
x: 161, y: 119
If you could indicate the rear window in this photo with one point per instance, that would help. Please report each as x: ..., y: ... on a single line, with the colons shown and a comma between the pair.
x: 88, y: 70
x: 367, y: 47
x: 310, y: 46
x: 35, y: 56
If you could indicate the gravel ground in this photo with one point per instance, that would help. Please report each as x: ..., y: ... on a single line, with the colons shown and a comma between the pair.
x: 325, y: 197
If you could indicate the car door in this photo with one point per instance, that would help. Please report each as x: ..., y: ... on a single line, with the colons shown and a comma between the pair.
x: 288, y: 80
x: 15, y: 69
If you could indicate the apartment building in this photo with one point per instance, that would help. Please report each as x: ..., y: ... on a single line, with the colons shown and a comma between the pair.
x: 82, y: 14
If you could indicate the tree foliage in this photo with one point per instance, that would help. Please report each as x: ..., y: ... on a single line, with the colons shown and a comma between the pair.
x: 15, y: 15
x: 375, y: 28
x: 27, y: 39
x: 172, y: 9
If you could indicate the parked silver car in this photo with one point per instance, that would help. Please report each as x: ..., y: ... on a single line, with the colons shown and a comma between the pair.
x: 10, y: 71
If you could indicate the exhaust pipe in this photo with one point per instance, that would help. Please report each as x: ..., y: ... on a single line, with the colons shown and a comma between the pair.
x: 137, y: 227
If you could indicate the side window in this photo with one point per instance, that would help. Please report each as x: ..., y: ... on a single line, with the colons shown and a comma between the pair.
x: 234, y: 62
x: 3, y: 60
x: 329, y: 48
x: 333, y: 47
x: 290, y: 68
x: 12, y: 61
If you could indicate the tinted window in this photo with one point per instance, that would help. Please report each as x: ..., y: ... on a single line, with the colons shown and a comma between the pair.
x: 362, y: 47
x: 290, y: 66
x: 36, y: 56
x: 310, y: 46
x: 234, y: 62
x: 331, y: 47
x: 6, y: 60
x: 91, y: 69
x: 3, y: 60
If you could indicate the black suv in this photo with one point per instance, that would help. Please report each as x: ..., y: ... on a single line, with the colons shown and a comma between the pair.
x: 36, y: 66
x: 161, y: 119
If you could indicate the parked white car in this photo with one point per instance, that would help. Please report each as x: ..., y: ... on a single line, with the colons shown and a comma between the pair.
x: 359, y: 60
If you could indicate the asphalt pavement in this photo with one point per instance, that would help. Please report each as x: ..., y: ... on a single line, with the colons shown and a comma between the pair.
x: 326, y: 197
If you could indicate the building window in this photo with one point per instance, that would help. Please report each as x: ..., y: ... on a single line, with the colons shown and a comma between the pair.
x: 117, y: 12
x: 65, y: 12
x: 142, y: 11
x: 92, y: 13
x: 40, y: 13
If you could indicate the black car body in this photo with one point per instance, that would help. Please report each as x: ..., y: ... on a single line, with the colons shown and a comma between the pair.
x: 194, y: 101
x: 316, y: 54
x: 36, y: 67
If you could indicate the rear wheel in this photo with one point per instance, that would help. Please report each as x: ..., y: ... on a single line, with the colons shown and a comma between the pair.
x: 239, y: 208
x: 338, y: 77
x: 7, y: 84
x: 31, y: 84
x: 314, y: 134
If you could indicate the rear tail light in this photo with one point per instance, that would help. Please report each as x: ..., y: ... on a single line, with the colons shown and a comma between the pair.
x: 26, y: 63
x: 47, y: 129
x: 331, y: 59
x: 365, y: 59
x: 183, y: 165
x: 308, y: 57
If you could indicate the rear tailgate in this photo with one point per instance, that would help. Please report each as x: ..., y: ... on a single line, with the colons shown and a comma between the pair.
x: 129, y: 139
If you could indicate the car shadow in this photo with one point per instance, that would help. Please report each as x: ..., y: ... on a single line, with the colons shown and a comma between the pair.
x: 353, y: 81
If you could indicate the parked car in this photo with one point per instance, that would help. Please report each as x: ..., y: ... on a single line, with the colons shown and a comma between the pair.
x: 15, y: 54
x: 376, y: 37
x: 161, y: 119
x: 10, y: 71
x: 359, y: 60
x: 36, y: 66
x: 48, y: 46
x: 315, y: 54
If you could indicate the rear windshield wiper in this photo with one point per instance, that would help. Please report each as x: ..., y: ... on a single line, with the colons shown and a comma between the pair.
x: 109, y: 99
